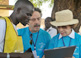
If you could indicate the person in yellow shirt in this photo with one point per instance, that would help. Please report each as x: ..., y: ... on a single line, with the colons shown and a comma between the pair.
x: 9, y: 40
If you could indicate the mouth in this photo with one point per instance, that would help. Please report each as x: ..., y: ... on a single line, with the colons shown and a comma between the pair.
x: 62, y: 33
x: 36, y: 25
x: 24, y: 24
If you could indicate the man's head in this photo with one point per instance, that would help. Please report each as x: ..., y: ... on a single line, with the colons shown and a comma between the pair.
x: 47, y: 22
x: 64, y: 22
x: 22, y: 11
x: 35, y: 20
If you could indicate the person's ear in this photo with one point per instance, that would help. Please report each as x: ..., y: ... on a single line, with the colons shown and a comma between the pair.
x: 18, y: 10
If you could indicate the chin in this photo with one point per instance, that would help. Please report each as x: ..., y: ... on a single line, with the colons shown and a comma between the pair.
x: 24, y: 24
x: 37, y: 30
x: 64, y: 35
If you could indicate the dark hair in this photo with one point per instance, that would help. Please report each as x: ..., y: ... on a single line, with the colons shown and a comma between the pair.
x: 73, y: 26
x: 19, y: 3
x: 49, y: 18
x: 37, y: 9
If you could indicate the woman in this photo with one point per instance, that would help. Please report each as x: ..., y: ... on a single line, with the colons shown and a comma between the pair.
x: 67, y: 36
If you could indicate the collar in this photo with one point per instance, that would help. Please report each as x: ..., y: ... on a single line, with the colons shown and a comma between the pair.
x: 49, y: 29
x: 72, y: 35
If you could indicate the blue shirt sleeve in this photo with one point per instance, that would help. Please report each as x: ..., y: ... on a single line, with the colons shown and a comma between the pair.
x: 80, y: 47
x: 51, y: 44
x: 78, y: 41
x: 80, y: 51
x: 48, y: 40
x: 20, y: 32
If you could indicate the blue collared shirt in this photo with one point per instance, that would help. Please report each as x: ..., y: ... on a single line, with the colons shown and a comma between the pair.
x: 42, y: 40
x: 75, y: 41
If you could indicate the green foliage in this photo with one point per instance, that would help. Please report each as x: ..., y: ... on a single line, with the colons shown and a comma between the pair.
x: 38, y: 3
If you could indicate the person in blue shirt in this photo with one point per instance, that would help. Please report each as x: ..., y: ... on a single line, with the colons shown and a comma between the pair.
x: 67, y: 36
x: 40, y: 38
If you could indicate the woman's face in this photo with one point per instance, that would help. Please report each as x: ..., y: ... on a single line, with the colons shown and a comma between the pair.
x: 64, y: 30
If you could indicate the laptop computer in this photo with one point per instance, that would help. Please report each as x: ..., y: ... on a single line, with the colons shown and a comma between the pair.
x: 61, y: 52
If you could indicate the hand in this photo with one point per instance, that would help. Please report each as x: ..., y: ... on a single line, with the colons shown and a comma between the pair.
x: 43, y: 56
x: 70, y: 57
x: 73, y: 57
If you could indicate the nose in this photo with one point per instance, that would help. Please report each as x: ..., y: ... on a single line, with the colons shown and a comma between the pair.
x: 37, y: 21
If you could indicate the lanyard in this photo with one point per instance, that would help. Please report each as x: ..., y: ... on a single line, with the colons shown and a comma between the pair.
x: 33, y: 40
x: 64, y: 43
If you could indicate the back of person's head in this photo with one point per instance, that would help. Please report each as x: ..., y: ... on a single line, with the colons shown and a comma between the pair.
x: 22, y: 3
x: 49, y: 19
x: 48, y: 24
x: 38, y: 10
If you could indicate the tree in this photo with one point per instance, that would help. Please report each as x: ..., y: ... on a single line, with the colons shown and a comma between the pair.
x: 74, y: 5
x: 38, y: 3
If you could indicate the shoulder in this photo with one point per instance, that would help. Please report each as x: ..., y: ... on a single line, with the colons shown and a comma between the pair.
x: 22, y: 29
x: 56, y: 37
x: 2, y: 27
x: 53, y: 28
x: 43, y: 32
x: 2, y: 22
x: 2, y: 18
x: 77, y: 35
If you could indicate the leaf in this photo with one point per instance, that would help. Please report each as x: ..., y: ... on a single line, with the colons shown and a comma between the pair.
x: 38, y: 3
